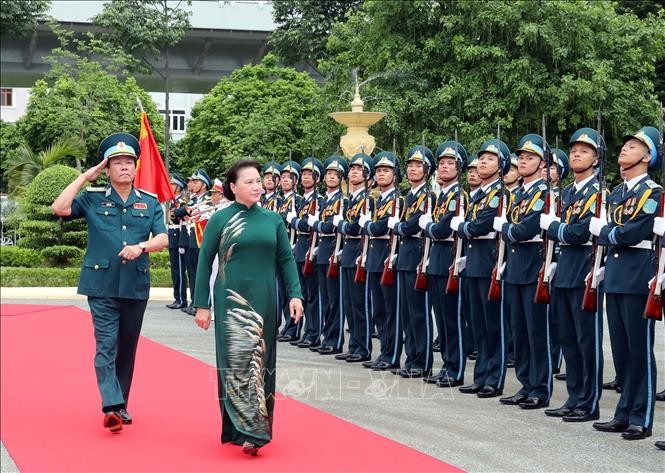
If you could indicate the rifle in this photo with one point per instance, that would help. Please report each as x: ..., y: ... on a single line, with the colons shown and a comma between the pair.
x: 590, y: 298
x: 308, y: 268
x: 494, y: 293
x: 361, y: 275
x: 388, y: 275
x: 292, y: 231
x: 333, y: 264
x: 452, y: 286
x: 654, y: 306
x: 421, y: 271
x: 542, y: 295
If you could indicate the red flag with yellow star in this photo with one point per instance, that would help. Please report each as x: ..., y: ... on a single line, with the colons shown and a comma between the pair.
x: 151, y: 175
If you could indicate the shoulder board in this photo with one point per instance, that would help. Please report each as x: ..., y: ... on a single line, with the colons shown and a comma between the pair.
x: 146, y: 193
x: 652, y: 184
x: 596, y: 186
x: 542, y: 187
x: 95, y: 189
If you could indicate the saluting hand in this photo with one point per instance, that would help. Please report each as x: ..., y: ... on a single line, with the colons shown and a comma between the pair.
x: 296, y: 309
x: 203, y: 318
x: 94, y: 172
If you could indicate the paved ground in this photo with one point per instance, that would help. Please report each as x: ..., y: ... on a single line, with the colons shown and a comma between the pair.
x: 473, y: 434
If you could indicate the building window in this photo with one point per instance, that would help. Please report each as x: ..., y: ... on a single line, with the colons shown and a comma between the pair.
x: 6, y: 97
x: 177, y: 119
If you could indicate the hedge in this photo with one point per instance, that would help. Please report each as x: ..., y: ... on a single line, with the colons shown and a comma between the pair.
x: 63, y: 277
x: 49, y: 183
x: 19, y: 257
x: 159, y: 260
x: 78, y: 239
x: 34, y: 242
x: 41, y: 228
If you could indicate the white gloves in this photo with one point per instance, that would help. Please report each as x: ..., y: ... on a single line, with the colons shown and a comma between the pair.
x: 290, y: 216
x: 551, y: 270
x: 461, y: 263
x: 392, y: 221
x: 424, y: 220
x: 315, y: 251
x: 659, y: 226
x: 339, y: 253
x: 455, y: 223
x: 600, y: 274
x: 311, y: 220
x: 363, y: 219
x: 337, y: 219
x: 662, y: 280
x: 547, y: 219
x: 596, y: 225
x: 498, y: 223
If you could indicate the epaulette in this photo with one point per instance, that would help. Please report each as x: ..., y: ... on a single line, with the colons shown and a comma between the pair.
x: 141, y: 191
x: 596, y: 185
x: 95, y: 189
x: 652, y: 184
x: 542, y: 187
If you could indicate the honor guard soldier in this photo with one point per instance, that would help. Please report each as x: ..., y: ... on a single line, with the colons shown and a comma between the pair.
x: 271, y: 199
x: 357, y: 302
x: 414, y: 305
x: 178, y: 243
x: 512, y: 183
x: 383, y: 294
x: 124, y: 224
x: 311, y: 171
x: 198, y: 186
x: 626, y: 230
x: 580, y: 331
x: 330, y: 289
x: 452, y: 158
x: 487, y: 315
x: 474, y: 181
x: 530, y: 321
x: 290, y: 202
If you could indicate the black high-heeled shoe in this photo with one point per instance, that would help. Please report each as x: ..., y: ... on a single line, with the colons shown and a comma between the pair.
x: 249, y: 448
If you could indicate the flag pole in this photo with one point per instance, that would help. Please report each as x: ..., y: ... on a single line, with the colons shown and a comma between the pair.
x: 139, y: 104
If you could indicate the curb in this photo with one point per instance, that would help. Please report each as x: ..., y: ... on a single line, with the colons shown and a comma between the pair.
x: 69, y: 293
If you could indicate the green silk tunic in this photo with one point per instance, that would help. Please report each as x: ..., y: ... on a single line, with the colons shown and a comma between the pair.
x: 252, y: 245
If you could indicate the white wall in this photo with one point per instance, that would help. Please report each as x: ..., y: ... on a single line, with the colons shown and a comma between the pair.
x: 177, y: 101
x: 19, y: 105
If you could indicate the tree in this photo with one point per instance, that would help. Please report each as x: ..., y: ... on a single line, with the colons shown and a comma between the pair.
x: 84, y: 95
x: 26, y: 165
x: 262, y: 111
x: 472, y: 66
x: 19, y: 18
x: 303, y: 27
x: 10, y: 143
x: 147, y: 29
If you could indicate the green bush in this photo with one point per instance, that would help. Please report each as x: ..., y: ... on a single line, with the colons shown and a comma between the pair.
x: 40, y: 228
x: 48, y: 184
x: 35, y: 242
x: 78, y: 225
x: 13, y: 221
x: 63, y: 277
x: 19, y: 257
x: 61, y: 255
x: 39, y: 212
x: 78, y: 239
x: 160, y: 260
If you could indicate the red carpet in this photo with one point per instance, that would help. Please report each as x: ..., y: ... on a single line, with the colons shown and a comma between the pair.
x: 51, y: 418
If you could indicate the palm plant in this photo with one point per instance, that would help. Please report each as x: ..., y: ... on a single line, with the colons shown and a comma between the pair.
x: 26, y: 164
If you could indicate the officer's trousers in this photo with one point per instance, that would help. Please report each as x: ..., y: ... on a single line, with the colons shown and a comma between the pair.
x: 192, y: 263
x: 415, y: 313
x: 178, y: 263
x: 388, y: 325
x: 330, y: 295
x: 469, y: 336
x: 581, y: 335
x: 357, y: 305
x: 631, y: 337
x: 531, y: 334
x: 310, y: 291
x: 488, y: 322
x: 449, y: 325
x: 117, y: 323
x: 557, y: 351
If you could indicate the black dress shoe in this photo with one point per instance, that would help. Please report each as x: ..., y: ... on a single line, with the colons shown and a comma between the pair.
x: 510, y: 364
x: 343, y: 356
x: 533, y: 403
x: 436, y: 347
x: 286, y: 338
x: 125, y: 417
x: 489, y: 391
x: 471, y: 388
x: 383, y: 366
x: 660, y: 444
x: 660, y: 396
x: 433, y: 379
x: 560, y: 376
x: 370, y: 363
x: 176, y: 305
x: 189, y: 310
x: 329, y: 351
x: 112, y: 421
x: 611, y: 385
x: 297, y: 341
x: 396, y: 370
x: 448, y: 382
x: 611, y: 426
x: 473, y: 355
x: 357, y: 358
x: 580, y: 415
x: 414, y: 373
x: 315, y: 347
x: 513, y: 400
x: 636, y: 432
x: 375, y: 335
x: 560, y: 412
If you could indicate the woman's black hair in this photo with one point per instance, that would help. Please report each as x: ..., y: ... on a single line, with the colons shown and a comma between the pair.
x: 232, y: 175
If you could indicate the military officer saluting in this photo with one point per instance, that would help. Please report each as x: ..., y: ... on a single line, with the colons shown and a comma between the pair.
x: 580, y: 331
x: 626, y: 229
x: 124, y: 224
x: 178, y: 243
x: 271, y: 199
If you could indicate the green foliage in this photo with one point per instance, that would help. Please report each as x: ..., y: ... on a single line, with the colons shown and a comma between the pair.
x: 303, y: 26
x: 19, y: 17
x: 35, y: 242
x: 48, y: 184
x: 159, y: 260
x: 262, y: 111
x: 10, y: 143
x: 41, y: 228
x: 63, y: 277
x: 19, y: 257
x: 78, y: 238
x: 440, y: 66
x: 26, y: 164
x: 61, y: 255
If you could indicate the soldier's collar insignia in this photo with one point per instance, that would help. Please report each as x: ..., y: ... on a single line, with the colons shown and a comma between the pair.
x: 140, y: 205
x: 108, y: 191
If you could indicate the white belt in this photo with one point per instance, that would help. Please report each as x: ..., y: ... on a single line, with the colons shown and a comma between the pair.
x: 384, y: 237
x: 588, y: 243
x: 489, y: 236
x: 327, y: 234
x: 643, y: 245
x: 303, y: 233
x: 443, y: 239
x: 349, y: 237
x: 536, y: 239
x: 172, y: 227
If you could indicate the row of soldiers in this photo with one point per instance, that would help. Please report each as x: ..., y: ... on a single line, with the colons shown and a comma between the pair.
x: 391, y: 261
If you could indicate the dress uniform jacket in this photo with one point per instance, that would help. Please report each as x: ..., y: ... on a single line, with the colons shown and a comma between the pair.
x: 271, y: 201
x: 307, y: 205
x: 377, y: 231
